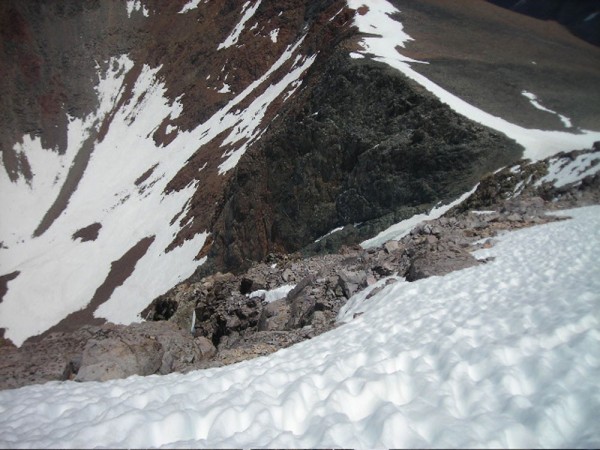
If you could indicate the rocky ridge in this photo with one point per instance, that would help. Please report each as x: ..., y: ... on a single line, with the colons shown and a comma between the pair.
x: 225, y: 318
x: 348, y: 141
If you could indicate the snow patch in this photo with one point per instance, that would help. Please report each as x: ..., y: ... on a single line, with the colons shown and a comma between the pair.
x: 192, y: 4
x: 565, y: 170
x: 136, y: 5
x: 536, y: 104
x: 273, y: 294
x: 225, y: 89
x: 247, y: 13
x: 401, y: 229
x: 273, y: 35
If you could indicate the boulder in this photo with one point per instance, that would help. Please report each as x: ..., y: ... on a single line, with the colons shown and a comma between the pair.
x: 275, y: 316
x: 111, y: 358
x: 352, y: 281
x: 302, y: 304
x: 207, y: 349
x: 117, y: 351
x: 439, y: 262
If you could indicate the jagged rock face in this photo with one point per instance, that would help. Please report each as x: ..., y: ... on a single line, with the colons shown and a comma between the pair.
x: 133, y: 113
x: 582, y: 17
x: 362, y: 143
x: 233, y: 130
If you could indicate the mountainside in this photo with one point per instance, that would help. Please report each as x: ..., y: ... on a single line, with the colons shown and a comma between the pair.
x: 144, y: 142
x: 581, y: 17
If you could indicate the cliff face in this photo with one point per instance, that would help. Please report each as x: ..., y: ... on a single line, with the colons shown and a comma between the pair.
x: 145, y: 141
x: 361, y: 145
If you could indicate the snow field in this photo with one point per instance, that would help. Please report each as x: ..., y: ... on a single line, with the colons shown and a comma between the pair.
x: 66, y: 273
x: 538, y: 144
x: 60, y: 275
x: 505, y: 354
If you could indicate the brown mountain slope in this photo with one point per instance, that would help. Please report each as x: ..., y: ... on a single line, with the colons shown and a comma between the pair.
x: 488, y: 55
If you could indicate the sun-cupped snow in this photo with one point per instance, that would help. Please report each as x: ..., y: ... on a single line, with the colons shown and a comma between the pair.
x: 248, y: 11
x: 536, y: 104
x: 398, y: 230
x: 504, y: 354
x: 386, y: 35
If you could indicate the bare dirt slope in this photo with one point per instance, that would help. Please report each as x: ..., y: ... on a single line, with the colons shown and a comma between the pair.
x: 488, y: 55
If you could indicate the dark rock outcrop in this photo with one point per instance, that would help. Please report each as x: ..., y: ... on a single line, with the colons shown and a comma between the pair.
x: 362, y: 142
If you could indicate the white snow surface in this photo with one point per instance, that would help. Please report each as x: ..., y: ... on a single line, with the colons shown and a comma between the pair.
x: 192, y: 4
x: 136, y: 5
x: 505, y: 354
x: 273, y: 294
x: 389, y: 34
x: 59, y: 275
x: 225, y: 89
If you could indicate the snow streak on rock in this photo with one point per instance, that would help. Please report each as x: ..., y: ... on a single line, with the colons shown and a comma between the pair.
x: 401, y: 229
x: 376, y: 19
x: 504, y: 354
x: 247, y: 127
x: 192, y: 4
x: 536, y: 104
x: 248, y: 11
x: 245, y: 124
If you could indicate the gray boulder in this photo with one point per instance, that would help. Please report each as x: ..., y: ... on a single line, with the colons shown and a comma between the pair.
x: 441, y: 261
x: 111, y: 358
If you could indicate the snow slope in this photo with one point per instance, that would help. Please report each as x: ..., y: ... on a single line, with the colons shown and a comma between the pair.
x: 505, y: 354
x: 122, y: 188
x: 387, y: 35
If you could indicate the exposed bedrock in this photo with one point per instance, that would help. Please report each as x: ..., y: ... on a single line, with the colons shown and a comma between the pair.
x: 362, y: 145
